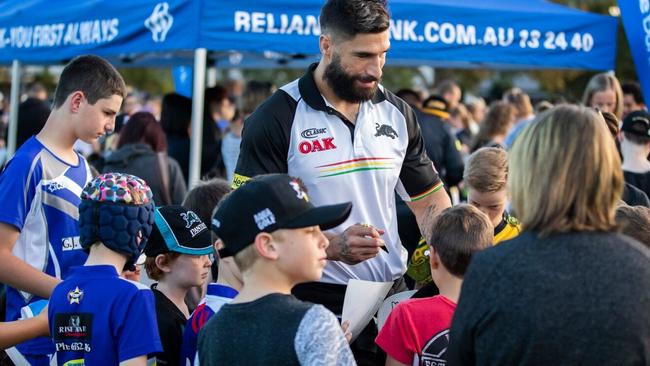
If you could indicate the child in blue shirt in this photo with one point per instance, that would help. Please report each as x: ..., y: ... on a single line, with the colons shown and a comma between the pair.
x: 95, y: 316
x: 40, y: 188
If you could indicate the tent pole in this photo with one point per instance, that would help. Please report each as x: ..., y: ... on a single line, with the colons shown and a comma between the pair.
x: 200, y: 56
x: 13, y: 107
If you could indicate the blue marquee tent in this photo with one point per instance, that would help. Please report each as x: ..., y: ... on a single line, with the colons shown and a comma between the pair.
x: 468, y: 33
x: 43, y: 31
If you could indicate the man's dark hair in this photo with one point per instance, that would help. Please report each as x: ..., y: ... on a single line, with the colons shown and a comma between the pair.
x: 459, y: 232
x: 634, y: 89
x: 93, y: 76
x: 347, y: 18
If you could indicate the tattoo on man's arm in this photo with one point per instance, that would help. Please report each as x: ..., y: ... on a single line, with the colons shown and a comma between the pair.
x: 345, y: 247
x: 427, y: 221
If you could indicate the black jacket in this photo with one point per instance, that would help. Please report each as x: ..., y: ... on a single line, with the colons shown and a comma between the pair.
x: 442, y: 148
x: 32, y: 114
x: 140, y: 160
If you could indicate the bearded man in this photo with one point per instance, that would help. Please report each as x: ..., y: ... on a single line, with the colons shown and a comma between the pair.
x: 348, y: 139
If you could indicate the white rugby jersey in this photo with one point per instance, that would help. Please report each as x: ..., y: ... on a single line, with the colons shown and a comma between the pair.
x: 296, y: 131
x: 40, y: 195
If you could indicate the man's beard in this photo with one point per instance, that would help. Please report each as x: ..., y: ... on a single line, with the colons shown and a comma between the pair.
x: 343, y: 84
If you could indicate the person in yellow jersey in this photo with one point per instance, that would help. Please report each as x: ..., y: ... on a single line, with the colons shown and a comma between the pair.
x: 485, y: 176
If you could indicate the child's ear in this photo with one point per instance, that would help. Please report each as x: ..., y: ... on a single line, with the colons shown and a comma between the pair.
x: 265, y: 246
x: 218, y: 245
x: 162, y: 262
x: 434, y: 258
x: 75, y: 101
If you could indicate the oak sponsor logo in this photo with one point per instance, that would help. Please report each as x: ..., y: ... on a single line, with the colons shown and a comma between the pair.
x: 307, y: 147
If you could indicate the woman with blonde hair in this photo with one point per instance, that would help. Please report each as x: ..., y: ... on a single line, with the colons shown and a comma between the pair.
x: 604, y: 93
x: 569, y: 288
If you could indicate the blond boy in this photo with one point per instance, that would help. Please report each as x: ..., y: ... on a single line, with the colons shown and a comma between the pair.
x: 274, y: 234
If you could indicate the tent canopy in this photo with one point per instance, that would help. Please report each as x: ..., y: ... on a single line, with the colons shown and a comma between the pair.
x: 42, y: 31
x: 468, y: 33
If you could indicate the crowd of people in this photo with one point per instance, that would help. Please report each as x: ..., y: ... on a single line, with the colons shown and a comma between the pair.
x: 524, y: 230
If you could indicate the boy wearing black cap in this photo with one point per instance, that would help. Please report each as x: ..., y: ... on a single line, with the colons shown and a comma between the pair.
x: 95, y: 316
x: 635, y: 147
x: 178, y: 258
x: 274, y: 233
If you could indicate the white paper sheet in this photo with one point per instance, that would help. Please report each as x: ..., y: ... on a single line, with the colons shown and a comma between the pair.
x: 389, y: 304
x: 362, y: 299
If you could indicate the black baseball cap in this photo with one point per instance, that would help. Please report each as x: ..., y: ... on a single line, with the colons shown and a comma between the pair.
x: 177, y: 229
x: 267, y: 203
x: 637, y: 123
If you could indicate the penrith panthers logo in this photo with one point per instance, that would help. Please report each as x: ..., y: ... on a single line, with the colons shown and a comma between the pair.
x: 385, y: 130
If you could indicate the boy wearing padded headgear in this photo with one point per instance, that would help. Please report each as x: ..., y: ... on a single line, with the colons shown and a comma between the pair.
x: 178, y: 258
x: 39, y: 191
x: 95, y: 316
x: 417, y: 330
x: 274, y: 233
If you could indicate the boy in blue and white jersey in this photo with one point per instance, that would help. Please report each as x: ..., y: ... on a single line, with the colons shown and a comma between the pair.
x: 40, y: 188
x: 95, y: 316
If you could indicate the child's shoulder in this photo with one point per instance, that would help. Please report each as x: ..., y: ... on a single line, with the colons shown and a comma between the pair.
x: 94, y: 280
x: 509, y: 228
x: 425, y: 305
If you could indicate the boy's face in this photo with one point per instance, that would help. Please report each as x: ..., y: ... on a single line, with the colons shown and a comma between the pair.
x: 492, y: 204
x: 302, y: 254
x: 189, y: 270
x: 95, y: 120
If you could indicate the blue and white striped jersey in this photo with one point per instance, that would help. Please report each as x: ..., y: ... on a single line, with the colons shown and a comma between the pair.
x: 40, y: 195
